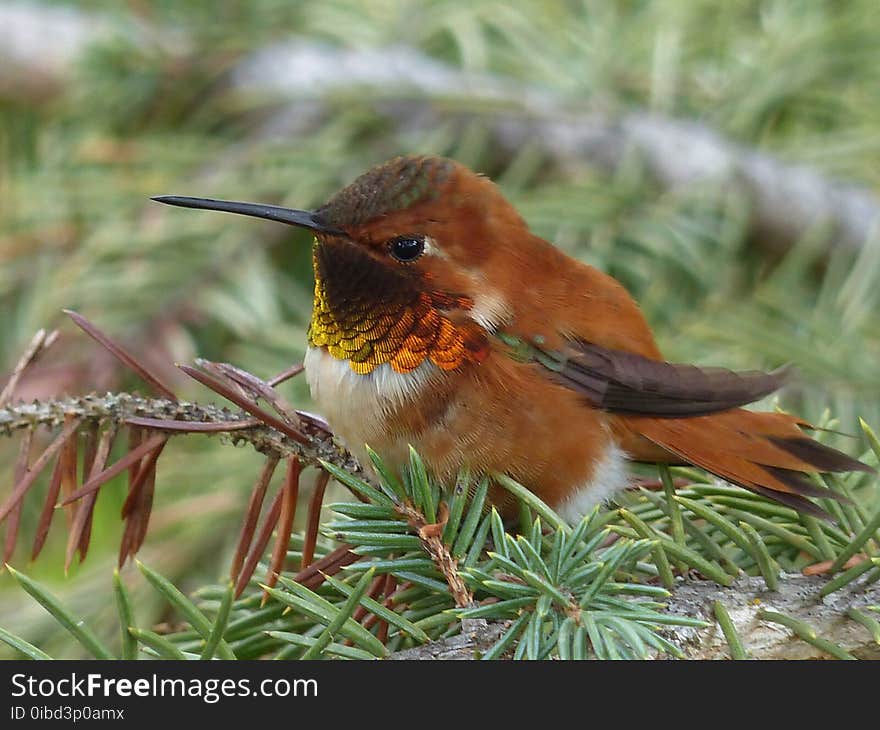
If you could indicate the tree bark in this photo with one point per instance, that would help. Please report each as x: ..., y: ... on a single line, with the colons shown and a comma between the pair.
x: 797, y: 597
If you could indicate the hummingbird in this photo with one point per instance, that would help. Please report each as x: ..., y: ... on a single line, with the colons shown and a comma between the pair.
x: 442, y: 322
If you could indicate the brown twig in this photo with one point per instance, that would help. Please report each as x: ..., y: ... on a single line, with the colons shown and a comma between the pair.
x: 316, y: 421
x: 133, y: 457
x: 313, y: 521
x: 21, y: 465
x: 125, y: 357
x: 68, y: 459
x: 287, y: 374
x: 227, y: 392
x: 249, y: 524
x: 213, y: 368
x: 259, y: 546
x: 36, y: 468
x: 135, y: 439
x: 138, y: 505
x: 38, y: 344
x: 290, y: 493
x: 826, y: 565
x: 193, y: 427
x: 257, y: 387
x: 81, y: 530
x: 429, y: 535
x: 90, y: 449
x: 144, y: 507
x: 48, y: 511
x: 330, y: 564
x: 148, y: 464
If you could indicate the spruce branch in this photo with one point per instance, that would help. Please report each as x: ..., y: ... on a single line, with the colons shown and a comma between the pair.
x: 300, y: 438
x: 414, y: 571
x: 175, y: 417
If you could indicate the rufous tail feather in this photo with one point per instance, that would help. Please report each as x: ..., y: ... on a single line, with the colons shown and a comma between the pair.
x: 767, y: 453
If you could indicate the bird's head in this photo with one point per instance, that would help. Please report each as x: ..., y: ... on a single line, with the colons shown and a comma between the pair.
x: 413, y: 259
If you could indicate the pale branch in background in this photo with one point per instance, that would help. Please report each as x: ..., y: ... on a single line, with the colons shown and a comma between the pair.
x: 40, y: 44
x: 404, y: 86
x: 787, y: 199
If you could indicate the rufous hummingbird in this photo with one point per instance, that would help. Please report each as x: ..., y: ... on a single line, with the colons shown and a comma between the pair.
x: 441, y: 321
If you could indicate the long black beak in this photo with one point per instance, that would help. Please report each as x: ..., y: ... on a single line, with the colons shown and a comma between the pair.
x: 301, y: 218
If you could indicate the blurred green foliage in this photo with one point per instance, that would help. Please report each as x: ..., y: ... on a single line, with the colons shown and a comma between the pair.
x: 795, y: 78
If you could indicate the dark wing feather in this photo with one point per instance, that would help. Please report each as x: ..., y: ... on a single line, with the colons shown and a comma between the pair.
x: 622, y: 382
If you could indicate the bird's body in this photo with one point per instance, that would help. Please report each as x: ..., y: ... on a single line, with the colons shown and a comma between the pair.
x: 440, y: 321
x: 482, y: 415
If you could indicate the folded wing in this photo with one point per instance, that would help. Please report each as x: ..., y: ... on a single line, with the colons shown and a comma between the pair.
x: 623, y: 382
x: 693, y: 415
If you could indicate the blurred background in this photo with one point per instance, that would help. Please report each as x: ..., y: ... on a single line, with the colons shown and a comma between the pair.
x: 721, y: 159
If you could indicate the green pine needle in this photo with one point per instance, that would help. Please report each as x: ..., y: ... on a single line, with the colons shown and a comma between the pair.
x: 75, y: 626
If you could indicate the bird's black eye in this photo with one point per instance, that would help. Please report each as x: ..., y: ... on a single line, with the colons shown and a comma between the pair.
x: 407, y: 248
